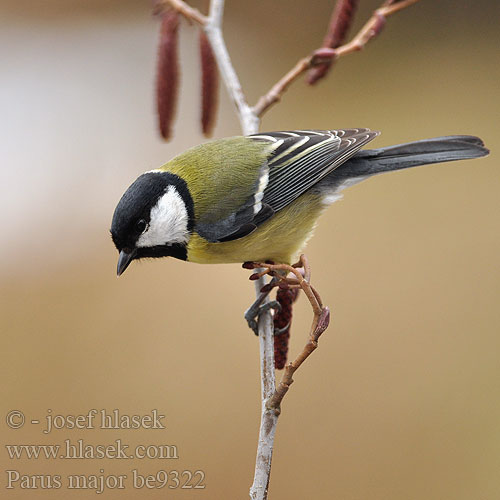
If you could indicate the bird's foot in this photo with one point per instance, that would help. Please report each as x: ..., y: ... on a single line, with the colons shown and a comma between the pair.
x: 253, y: 312
x: 281, y: 331
x: 289, y: 277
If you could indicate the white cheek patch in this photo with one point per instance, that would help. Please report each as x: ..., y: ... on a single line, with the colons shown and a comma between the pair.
x: 168, y: 223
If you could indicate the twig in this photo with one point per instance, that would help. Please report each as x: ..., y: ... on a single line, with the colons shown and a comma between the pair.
x: 186, y: 10
x: 250, y: 116
x: 371, y: 29
x: 213, y: 28
x: 320, y: 321
x: 319, y: 325
x: 272, y: 396
x: 269, y: 418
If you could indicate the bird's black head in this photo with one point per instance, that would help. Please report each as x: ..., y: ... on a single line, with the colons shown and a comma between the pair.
x: 154, y: 218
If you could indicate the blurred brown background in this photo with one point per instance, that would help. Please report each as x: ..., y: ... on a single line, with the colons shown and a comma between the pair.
x: 401, y: 401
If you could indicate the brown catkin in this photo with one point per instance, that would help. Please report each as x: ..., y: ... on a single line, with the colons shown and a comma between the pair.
x: 209, y: 85
x: 282, y: 319
x: 340, y: 22
x: 167, y: 76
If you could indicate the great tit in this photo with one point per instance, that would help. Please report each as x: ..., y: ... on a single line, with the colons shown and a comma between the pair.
x: 258, y: 197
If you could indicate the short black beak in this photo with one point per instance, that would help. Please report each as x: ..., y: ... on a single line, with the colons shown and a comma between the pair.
x: 125, y: 258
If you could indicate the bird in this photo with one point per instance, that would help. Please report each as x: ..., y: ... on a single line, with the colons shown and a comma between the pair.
x: 257, y: 198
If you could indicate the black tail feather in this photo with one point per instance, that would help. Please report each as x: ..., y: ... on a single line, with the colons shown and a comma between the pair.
x: 440, y: 149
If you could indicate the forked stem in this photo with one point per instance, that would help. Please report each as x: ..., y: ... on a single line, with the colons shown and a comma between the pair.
x: 281, y: 278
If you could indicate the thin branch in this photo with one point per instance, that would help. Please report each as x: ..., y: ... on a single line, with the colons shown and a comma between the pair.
x: 370, y: 30
x: 319, y: 326
x: 186, y: 10
x: 274, y: 95
x: 272, y: 396
x: 213, y: 28
x: 269, y: 418
x: 216, y: 12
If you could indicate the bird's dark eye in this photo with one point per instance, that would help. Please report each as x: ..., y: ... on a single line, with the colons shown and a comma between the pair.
x: 141, y: 225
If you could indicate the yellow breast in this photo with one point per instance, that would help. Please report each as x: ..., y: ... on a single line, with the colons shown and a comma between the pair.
x: 279, y: 239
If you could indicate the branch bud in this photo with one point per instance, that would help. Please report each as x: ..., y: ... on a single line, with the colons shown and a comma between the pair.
x: 323, y: 322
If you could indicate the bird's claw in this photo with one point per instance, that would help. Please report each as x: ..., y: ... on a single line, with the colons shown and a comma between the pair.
x: 280, y: 331
x: 253, y: 312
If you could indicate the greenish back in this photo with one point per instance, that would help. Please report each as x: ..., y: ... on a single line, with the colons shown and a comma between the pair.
x: 221, y: 175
